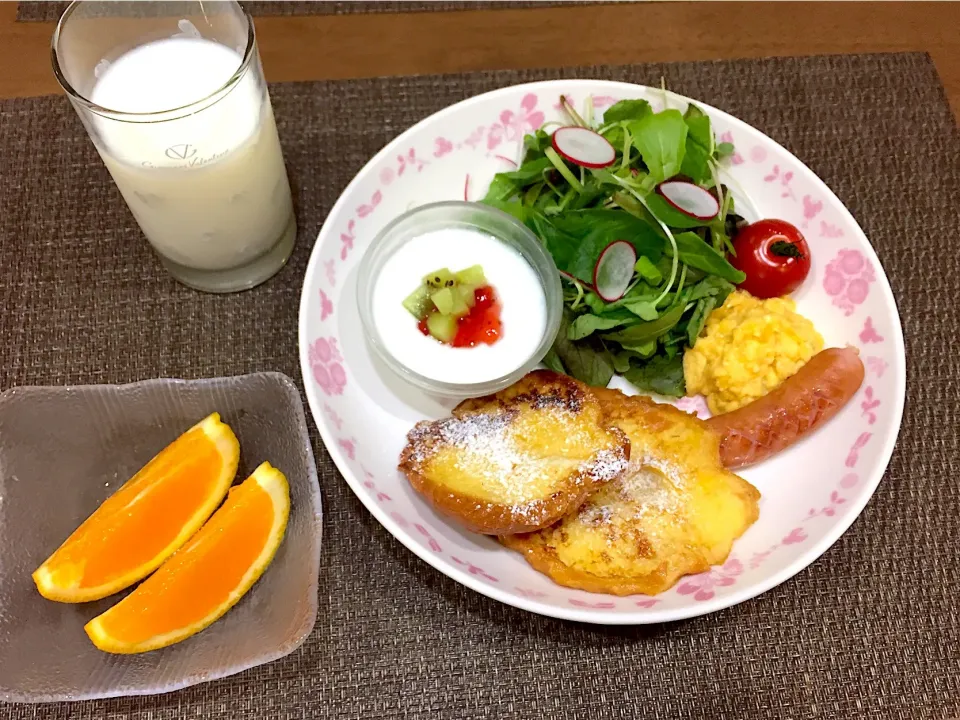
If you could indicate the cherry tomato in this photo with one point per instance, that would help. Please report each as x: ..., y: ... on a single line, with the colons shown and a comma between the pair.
x: 774, y: 256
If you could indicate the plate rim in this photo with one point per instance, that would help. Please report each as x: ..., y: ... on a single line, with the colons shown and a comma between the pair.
x: 593, y: 615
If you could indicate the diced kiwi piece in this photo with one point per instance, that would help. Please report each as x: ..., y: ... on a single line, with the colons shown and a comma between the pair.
x: 450, y: 302
x: 467, y: 294
x: 440, y: 278
x: 442, y: 327
x: 417, y: 303
x: 472, y: 276
x: 444, y: 300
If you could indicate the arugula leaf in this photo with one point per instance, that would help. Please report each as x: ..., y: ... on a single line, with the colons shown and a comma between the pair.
x: 536, y: 144
x: 698, y: 128
x: 647, y: 270
x: 660, y: 375
x: 588, y: 324
x: 530, y: 170
x: 644, y: 309
x: 621, y: 361
x: 501, y: 190
x: 661, y: 141
x: 647, y: 330
x: 591, y: 231
x: 642, y: 350
x: 507, y: 184
x: 627, y: 110
x: 699, y: 150
x: 552, y: 361
x: 696, y: 253
x: 582, y: 360
x: 513, y: 207
x: 704, y: 307
x: 562, y: 246
x: 710, y: 286
x: 724, y: 150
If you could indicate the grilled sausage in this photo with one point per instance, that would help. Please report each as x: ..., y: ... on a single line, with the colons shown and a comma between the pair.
x: 798, y: 406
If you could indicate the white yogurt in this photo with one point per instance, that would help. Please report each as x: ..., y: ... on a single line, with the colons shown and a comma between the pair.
x: 523, y: 314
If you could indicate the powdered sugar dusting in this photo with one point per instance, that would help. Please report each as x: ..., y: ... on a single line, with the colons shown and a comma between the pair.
x: 494, y: 458
x: 608, y: 465
x: 649, y: 489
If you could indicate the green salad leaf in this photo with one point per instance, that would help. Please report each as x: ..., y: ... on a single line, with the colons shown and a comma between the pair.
x: 661, y: 138
x: 627, y: 110
x: 695, y: 252
x: 681, y: 273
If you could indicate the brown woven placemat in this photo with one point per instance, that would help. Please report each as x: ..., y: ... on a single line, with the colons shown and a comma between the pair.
x: 43, y: 11
x: 871, y: 630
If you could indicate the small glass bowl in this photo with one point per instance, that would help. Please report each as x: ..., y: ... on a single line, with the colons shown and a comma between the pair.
x: 474, y: 216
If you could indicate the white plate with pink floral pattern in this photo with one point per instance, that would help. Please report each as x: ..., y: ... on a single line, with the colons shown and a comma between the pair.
x: 810, y: 494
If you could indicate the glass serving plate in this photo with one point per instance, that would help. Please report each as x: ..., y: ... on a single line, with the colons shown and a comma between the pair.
x: 63, y: 450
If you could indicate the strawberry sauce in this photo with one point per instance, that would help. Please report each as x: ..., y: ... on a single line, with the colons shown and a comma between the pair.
x: 479, y: 326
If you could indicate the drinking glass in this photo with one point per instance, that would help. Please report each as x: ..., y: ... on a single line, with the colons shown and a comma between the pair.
x: 173, y: 96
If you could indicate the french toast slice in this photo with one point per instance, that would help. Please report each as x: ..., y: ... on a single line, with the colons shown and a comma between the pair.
x: 518, y: 460
x: 676, y: 511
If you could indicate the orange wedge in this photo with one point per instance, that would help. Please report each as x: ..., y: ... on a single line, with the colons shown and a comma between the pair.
x: 147, y: 519
x: 207, y: 576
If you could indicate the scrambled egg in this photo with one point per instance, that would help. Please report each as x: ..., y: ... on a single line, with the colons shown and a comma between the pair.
x: 747, y: 349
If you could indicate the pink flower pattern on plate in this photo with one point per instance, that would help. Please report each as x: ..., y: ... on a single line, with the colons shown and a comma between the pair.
x: 810, y: 209
x: 527, y: 593
x: 474, y: 138
x: 513, y: 126
x: 431, y: 542
x: 869, y: 404
x: 646, y: 603
x: 334, y: 417
x: 593, y: 605
x: 877, y: 365
x: 785, y: 180
x: 330, y: 271
x: 399, y: 519
x: 797, y: 535
x: 869, y: 334
x: 854, y: 455
x: 736, y: 158
x: 326, y: 306
x: 441, y: 147
x: 473, y: 569
x: 828, y: 510
x: 829, y: 230
x: 409, y: 160
x: 602, y: 101
x: 758, y: 154
x: 760, y: 557
x: 386, y: 176
x: 325, y: 361
x: 346, y: 240
x: 349, y: 447
x: 849, y: 480
x: 847, y: 279
x: 368, y: 208
x: 702, y: 586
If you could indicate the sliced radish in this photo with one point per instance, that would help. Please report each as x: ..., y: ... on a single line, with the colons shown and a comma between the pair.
x: 567, y: 276
x: 506, y: 160
x: 583, y: 147
x: 614, y: 270
x: 690, y: 199
x: 466, y: 188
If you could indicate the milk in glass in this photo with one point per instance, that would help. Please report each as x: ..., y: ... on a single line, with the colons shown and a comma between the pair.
x: 209, y: 189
